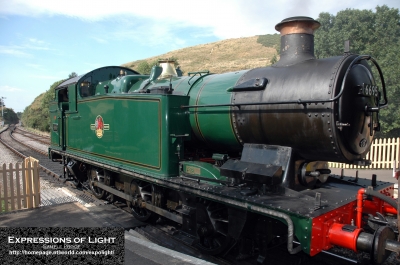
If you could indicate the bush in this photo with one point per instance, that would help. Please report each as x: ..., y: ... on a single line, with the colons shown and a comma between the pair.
x: 270, y: 40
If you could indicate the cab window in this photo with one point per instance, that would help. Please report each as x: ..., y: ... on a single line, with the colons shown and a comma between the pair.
x: 86, y: 88
x: 63, y: 99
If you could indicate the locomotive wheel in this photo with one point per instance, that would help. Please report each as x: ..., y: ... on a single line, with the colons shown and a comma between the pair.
x: 212, y: 228
x: 94, y: 176
x: 136, y: 191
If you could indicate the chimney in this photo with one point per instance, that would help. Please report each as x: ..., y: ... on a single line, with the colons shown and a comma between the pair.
x: 297, y: 40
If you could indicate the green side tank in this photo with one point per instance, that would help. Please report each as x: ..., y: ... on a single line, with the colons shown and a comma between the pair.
x: 210, y: 125
x: 94, y: 118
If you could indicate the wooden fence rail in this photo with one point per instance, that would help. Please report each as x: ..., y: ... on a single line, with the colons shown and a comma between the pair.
x: 384, y: 154
x: 20, y: 186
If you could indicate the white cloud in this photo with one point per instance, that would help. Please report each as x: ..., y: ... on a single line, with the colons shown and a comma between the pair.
x: 99, y: 40
x: 149, y: 34
x: 224, y: 18
x: 34, y: 66
x: 14, y: 51
x: 90, y: 67
x: 35, y: 44
x: 7, y: 88
x: 4, y: 17
x: 23, y: 50
x: 46, y: 77
x: 16, y: 98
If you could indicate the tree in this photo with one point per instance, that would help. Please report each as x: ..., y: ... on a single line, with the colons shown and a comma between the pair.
x: 145, y: 68
x: 270, y: 40
x: 71, y: 75
x: 37, y: 115
x: 10, y: 117
x: 176, y: 62
x: 274, y: 59
x: 377, y: 34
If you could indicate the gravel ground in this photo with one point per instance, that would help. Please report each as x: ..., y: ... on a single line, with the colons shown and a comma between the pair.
x: 6, y: 156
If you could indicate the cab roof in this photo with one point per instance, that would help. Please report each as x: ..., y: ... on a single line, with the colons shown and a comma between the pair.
x: 114, y: 69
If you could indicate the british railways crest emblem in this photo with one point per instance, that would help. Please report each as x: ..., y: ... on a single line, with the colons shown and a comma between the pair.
x: 99, y: 126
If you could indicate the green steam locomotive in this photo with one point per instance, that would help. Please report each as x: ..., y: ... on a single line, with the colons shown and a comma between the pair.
x: 238, y: 159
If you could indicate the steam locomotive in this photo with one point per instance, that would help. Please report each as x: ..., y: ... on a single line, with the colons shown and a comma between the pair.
x: 239, y: 159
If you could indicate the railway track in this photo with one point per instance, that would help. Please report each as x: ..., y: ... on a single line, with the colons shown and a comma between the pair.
x: 24, y: 148
x: 56, y: 189
x: 44, y: 139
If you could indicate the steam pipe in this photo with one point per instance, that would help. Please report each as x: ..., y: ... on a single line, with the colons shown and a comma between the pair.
x: 381, y: 196
x: 376, y: 194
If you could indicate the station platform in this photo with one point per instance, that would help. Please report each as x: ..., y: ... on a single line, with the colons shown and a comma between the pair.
x: 138, y: 250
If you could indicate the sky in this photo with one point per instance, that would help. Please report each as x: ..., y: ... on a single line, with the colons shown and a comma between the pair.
x: 43, y: 41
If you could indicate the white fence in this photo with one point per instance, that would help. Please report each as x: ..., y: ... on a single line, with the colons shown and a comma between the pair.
x: 383, y: 153
x: 20, y: 185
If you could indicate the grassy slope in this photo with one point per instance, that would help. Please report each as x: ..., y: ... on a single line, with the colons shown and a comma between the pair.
x: 219, y: 57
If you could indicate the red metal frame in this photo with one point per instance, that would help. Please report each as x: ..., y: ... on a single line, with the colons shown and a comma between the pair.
x: 329, y: 229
